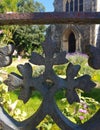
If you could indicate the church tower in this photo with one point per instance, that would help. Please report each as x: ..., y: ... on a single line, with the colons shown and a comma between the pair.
x: 74, y: 38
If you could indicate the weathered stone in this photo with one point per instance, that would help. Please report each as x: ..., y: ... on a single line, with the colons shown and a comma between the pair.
x: 72, y: 37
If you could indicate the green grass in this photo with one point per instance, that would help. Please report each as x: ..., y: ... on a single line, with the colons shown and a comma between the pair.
x: 31, y: 106
x: 10, y: 69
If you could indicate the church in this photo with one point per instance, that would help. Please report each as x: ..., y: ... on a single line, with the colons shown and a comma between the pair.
x: 73, y: 38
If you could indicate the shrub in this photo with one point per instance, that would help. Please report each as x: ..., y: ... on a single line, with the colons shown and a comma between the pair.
x: 81, y: 59
x: 80, y: 112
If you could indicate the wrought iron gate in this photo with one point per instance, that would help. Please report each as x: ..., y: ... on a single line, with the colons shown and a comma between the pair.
x: 29, y: 83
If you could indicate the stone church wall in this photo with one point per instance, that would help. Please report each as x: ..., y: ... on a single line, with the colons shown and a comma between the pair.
x: 97, y: 28
x: 82, y: 34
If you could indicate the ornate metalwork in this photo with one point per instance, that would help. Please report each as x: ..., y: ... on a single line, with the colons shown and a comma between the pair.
x: 27, y: 83
x: 94, y: 58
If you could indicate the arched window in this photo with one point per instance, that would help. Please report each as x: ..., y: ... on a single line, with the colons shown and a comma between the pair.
x: 76, y: 5
x: 71, y: 6
x: 67, y: 6
x: 81, y: 5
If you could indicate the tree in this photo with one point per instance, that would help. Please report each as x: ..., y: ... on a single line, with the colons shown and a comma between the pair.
x: 29, y: 38
x: 26, y: 38
x: 6, y: 36
x: 7, y: 31
x: 30, y: 6
x: 8, y: 6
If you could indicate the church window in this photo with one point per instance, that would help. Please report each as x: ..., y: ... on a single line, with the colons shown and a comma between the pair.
x: 67, y: 6
x: 76, y: 5
x: 81, y: 5
x: 71, y: 6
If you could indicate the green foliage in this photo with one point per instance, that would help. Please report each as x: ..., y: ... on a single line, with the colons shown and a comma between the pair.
x: 10, y: 69
x: 8, y: 6
x: 80, y: 112
x: 16, y: 108
x: 82, y: 60
x: 46, y: 124
x: 61, y: 69
x: 26, y: 38
x: 77, y: 112
x: 6, y: 35
x: 38, y: 70
x: 30, y: 6
x: 29, y: 38
x: 94, y: 93
x: 20, y: 6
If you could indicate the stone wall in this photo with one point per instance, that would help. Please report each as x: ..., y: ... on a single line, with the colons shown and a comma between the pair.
x: 84, y: 34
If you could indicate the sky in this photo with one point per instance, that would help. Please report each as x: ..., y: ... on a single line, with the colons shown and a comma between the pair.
x: 48, y: 4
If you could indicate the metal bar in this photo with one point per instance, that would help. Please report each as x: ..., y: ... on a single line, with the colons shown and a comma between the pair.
x: 50, y: 18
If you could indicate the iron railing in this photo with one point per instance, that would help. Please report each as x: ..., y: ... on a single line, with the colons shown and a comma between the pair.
x: 27, y: 83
